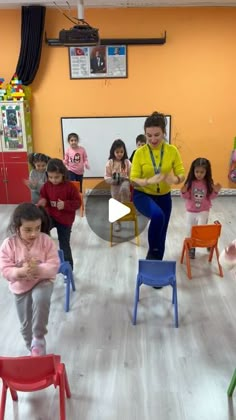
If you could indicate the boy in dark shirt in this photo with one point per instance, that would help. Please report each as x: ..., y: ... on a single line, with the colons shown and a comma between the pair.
x: 140, y: 141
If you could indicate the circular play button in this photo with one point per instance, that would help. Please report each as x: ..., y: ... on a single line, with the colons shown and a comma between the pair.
x: 108, y: 218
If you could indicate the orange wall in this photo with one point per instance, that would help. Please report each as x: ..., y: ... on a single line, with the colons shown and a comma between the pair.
x: 191, y: 77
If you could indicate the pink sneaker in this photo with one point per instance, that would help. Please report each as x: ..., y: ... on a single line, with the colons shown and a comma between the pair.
x: 38, y: 347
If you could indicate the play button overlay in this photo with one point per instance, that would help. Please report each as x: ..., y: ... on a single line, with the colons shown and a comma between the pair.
x: 101, y: 210
x: 116, y: 210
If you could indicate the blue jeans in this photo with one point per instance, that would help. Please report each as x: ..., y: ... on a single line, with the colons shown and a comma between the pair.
x: 76, y: 177
x: 158, y: 209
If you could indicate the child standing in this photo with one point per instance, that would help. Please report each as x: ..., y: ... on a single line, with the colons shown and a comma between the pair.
x: 76, y: 159
x: 37, y: 176
x: 29, y: 261
x: 140, y: 141
x: 117, y: 173
x: 61, y: 200
x: 198, y: 191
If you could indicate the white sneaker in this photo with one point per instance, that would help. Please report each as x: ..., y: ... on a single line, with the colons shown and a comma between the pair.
x: 38, y: 347
x: 117, y: 226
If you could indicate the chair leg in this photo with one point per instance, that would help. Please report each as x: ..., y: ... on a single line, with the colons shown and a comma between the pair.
x: 136, y: 299
x: 211, y: 254
x: 232, y: 385
x: 69, y: 283
x: 136, y: 232
x: 62, y: 394
x: 81, y: 210
x: 67, y: 299
x: 220, y: 268
x: 185, y: 250
x: 188, y: 264
x: 67, y: 386
x: 14, y: 394
x: 182, y: 255
x: 175, y: 302
x: 72, y: 281
x: 3, y: 401
x: 111, y: 233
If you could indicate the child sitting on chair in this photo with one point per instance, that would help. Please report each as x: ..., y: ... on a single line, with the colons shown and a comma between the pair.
x: 117, y: 173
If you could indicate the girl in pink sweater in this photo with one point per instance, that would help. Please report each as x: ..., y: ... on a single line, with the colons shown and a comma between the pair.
x: 29, y: 261
x: 117, y: 173
x: 76, y: 159
x: 198, y: 191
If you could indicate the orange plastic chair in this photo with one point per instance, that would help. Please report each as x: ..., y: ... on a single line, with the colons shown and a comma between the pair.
x: 30, y: 374
x: 77, y: 185
x: 131, y: 217
x: 202, y: 236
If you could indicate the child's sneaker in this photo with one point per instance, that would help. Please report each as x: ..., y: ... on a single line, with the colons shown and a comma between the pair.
x: 38, y: 347
x: 191, y: 253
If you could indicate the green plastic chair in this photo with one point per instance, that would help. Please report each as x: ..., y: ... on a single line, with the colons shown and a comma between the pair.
x: 232, y: 385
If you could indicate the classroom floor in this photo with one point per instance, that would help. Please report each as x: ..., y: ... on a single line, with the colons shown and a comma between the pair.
x: 150, y: 371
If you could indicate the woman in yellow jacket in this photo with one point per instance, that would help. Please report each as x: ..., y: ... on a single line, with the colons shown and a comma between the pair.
x: 155, y: 167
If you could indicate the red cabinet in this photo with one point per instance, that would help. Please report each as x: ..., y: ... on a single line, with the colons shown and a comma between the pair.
x: 12, y: 187
x: 15, y: 142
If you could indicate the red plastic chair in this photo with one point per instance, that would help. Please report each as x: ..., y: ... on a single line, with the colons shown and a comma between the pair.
x: 202, y: 236
x: 30, y: 374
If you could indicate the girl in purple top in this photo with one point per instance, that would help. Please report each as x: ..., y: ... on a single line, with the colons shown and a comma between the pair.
x: 198, y: 191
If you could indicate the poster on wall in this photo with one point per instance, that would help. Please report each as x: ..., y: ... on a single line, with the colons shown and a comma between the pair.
x: 12, y: 128
x: 103, y: 61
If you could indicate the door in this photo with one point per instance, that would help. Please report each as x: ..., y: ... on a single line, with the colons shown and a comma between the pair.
x: 17, y: 191
x: 3, y: 185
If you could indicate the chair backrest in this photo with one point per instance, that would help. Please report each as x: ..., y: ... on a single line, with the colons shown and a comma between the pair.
x: 131, y: 216
x: 77, y: 185
x: 26, y: 370
x: 205, y: 235
x: 155, y: 268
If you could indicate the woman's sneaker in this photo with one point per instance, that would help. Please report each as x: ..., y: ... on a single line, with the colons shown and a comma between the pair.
x: 191, y: 253
x: 38, y: 347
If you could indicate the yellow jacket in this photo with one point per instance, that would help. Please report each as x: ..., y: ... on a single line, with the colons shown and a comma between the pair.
x: 142, y: 166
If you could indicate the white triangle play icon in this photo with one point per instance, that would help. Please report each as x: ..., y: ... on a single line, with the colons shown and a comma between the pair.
x: 116, y: 210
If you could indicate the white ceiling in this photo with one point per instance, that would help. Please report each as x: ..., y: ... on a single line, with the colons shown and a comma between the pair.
x: 6, y: 4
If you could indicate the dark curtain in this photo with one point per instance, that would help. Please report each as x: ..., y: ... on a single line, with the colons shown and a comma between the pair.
x: 32, y: 31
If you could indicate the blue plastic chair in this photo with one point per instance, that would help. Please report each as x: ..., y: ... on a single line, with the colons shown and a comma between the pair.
x: 66, y: 270
x: 157, y: 274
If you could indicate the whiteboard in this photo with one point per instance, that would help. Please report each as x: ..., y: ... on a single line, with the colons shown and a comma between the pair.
x: 98, y: 133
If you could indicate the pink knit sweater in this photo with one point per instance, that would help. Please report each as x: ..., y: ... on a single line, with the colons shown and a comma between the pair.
x: 14, y: 253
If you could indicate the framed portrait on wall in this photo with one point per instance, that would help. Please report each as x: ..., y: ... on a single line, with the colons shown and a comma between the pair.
x: 101, y: 61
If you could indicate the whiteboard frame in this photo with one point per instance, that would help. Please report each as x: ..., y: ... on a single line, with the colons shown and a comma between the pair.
x: 65, y: 133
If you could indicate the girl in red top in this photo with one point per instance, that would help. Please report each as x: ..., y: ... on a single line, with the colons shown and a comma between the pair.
x: 61, y: 199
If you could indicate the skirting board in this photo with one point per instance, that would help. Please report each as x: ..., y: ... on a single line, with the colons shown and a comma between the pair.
x: 223, y: 192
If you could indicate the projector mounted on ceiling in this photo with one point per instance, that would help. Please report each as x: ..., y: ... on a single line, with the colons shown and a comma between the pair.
x: 81, y: 34
x: 84, y: 34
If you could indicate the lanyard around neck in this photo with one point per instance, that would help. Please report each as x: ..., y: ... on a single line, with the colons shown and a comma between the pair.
x: 157, y: 170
